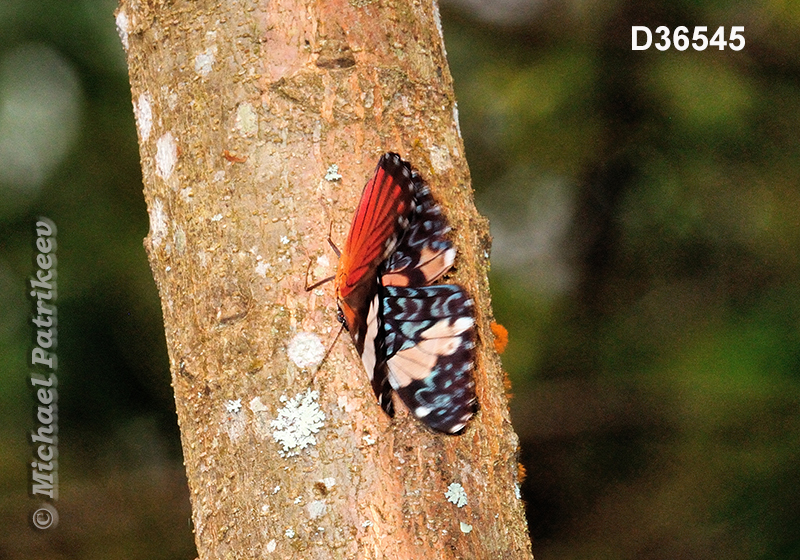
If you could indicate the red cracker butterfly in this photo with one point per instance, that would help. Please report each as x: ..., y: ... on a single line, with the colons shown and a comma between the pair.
x: 413, y: 337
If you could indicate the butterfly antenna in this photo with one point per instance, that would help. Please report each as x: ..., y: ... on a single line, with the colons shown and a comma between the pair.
x: 327, y: 279
x: 331, y: 243
x: 325, y: 357
x: 320, y: 283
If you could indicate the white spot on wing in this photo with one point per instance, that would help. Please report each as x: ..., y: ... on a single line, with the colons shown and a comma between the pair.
x: 457, y: 427
x: 449, y: 256
x: 368, y: 357
x: 462, y: 324
x: 421, y: 411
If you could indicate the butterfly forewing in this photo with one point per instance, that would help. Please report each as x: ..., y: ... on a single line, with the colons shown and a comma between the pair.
x: 380, y: 219
x: 424, y: 253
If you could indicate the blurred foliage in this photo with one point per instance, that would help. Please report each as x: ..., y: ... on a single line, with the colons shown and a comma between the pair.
x: 656, y: 360
x: 644, y: 207
x: 122, y: 491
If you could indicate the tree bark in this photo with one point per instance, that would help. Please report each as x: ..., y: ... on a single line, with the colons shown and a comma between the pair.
x: 242, y: 108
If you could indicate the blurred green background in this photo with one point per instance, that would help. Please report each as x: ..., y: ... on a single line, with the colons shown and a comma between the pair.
x: 646, y: 219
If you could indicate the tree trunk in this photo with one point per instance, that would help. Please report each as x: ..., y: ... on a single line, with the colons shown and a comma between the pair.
x: 242, y: 108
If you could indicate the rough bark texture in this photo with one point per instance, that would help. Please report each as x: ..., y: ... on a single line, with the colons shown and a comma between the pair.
x: 242, y: 107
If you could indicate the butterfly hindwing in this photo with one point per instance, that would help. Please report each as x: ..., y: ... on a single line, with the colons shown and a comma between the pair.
x: 429, y: 351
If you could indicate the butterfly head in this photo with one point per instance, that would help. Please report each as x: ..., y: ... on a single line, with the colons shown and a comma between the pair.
x: 341, y: 318
x: 344, y: 313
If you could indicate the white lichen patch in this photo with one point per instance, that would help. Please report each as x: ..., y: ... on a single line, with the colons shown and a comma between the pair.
x: 329, y: 483
x: 257, y: 406
x: 233, y: 406
x: 234, y: 423
x: 306, y: 350
x: 455, y: 493
x: 143, y: 110
x: 271, y: 546
x: 440, y: 159
x: 289, y: 533
x: 247, y: 119
x: 316, y: 509
x: 437, y: 19
x: 166, y: 155
x: 216, y: 217
x: 333, y: 173
x: 466, y: 527
x: 158, y: 222
x: 297, y: 422
x: 455, y: 119
x: 204, y: 62
x: 122, y: 27
x: 261, y: 269
x: 179, y: 239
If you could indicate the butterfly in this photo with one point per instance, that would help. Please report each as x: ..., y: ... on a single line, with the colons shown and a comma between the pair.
x: 414, y: 337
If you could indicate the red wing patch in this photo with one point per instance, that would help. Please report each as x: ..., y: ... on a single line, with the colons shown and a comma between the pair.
x: 380, y: 218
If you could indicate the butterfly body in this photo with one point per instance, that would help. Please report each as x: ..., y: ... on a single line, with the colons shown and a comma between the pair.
x: 414, y: 338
